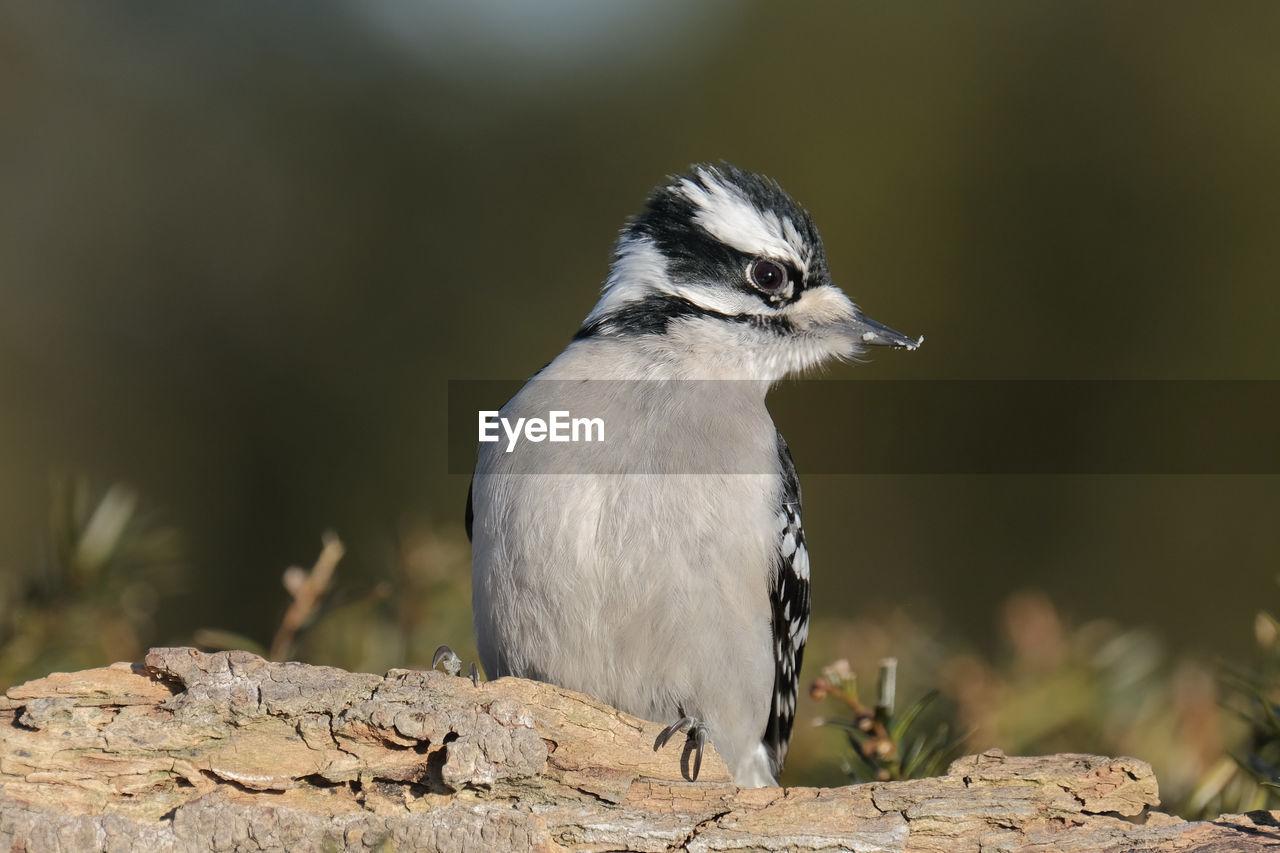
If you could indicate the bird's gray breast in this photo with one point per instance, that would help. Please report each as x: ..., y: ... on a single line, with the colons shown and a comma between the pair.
x: 604, y: 566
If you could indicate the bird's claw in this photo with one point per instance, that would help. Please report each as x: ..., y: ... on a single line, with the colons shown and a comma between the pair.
x: 452, y: 663
x: 665, y: 734
x: 695, y: 743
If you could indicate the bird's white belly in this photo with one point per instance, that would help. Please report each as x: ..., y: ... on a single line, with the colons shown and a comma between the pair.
x: 640, y: 589
x: 647, y: 590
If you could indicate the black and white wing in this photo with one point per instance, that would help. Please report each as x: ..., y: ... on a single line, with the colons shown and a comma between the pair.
x: 789, y: 597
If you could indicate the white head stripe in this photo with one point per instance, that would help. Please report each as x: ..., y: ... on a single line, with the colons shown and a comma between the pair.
x: 729, y: 217
x: 639, y: 269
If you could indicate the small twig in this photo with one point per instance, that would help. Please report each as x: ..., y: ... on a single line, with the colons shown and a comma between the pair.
x: 307, y: 588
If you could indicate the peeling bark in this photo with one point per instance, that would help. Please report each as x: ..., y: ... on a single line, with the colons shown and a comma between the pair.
x: 226, y: 751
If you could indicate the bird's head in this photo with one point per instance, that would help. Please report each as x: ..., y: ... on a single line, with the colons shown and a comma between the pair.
x: 724, y: 271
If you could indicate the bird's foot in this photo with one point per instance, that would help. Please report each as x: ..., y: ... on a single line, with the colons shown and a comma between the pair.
x: 453, y: 664
x: 694, y: 743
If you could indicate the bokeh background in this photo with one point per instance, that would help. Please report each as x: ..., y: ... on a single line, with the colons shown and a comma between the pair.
x: 244, y: 247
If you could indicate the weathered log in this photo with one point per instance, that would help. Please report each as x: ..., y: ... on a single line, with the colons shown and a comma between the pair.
x: 226, y: 751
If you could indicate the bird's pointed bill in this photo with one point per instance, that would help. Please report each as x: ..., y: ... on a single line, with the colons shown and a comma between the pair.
x: 871, y: 333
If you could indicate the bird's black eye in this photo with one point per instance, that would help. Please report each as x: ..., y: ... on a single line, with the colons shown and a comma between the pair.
x: 767, y: 275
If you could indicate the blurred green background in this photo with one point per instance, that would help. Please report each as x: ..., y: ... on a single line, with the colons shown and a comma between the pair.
x: 243, y: 247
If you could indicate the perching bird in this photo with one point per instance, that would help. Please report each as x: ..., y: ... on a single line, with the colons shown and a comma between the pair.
x: 664, y: 570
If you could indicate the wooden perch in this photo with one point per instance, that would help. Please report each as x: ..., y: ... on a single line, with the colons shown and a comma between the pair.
x: 226, y: 751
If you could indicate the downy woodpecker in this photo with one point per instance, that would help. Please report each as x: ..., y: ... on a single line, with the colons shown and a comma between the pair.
x: 664, y: 570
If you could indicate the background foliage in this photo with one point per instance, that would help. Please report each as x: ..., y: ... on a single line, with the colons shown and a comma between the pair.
x: 243, y: 248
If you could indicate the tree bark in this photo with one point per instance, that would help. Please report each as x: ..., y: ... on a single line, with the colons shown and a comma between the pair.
x: 194, y: 751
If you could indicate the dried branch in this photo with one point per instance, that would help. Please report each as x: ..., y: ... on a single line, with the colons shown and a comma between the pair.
x: 228, y: 751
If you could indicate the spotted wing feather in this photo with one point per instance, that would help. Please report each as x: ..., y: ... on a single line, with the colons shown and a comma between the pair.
x: 789, y: 598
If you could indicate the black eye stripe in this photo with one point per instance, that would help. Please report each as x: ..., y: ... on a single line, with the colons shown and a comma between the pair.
x: 654, y: 314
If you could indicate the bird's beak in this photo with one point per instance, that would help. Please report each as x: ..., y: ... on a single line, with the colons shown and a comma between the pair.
x: 871, y: 333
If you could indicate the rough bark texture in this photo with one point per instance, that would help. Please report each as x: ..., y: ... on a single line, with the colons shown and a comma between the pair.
x: 226, y: 751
